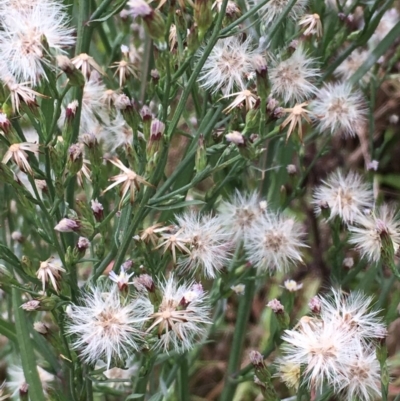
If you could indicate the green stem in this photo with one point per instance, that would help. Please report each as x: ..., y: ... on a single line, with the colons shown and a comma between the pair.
x: 184, y: 379
x: 238, y: 341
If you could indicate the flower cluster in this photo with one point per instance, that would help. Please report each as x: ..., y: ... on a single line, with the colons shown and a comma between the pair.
x: 336, y: 347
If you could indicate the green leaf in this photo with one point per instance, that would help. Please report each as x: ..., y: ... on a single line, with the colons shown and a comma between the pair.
x: 178, y: 205
x: 26, y: 349
x: 134, y: 397
x: 116, y: 10
x: 373, y: 57
x: 7, y: 330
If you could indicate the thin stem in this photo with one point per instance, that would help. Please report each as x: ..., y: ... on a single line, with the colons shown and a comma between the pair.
x: 238, y: 341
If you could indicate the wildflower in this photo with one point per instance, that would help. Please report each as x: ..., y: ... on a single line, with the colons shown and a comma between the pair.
x: 107, y: 327
x: 276, y: 306
x: 84, y: 172
x: 373, y: 165
x: 246, y: 96
x: 144, y: 282
x: 368, y: 231
x: 173, y: 241
x: 180, y: 321
x: 319, y: 347
x: 240, y: 214
x: 238, y: 289
x: 315, y: 305
x: 348, y: 263
x: 345, y: 196
x: 18, y: 383
x: 338, y: 109
x: 129, y: 179
x: 21, y: 92
x: 352, y: 313
x: 5, y: 123
x: 41, y: 328
x: 51, y: 270
x: 31, y: 305
x: 17, y: 152
x: 67, y: 225
x: 149, y: 235
x: 122, y: 280
x: 227, y: 66
x: 292, y: 79
x: 86, y: 64
x: 274, y: 243
x: 289, y: 373
x: 294, y: 119
x: 236, y: 137
x: 82, y: 244
x: 274, y: 8
x: 124, y: 69
x: 206, y: 242
x: 292, y: 285
x: 97, y: 209
x: 27, y: 37
x: 361, y: 378
x: 312, y: 24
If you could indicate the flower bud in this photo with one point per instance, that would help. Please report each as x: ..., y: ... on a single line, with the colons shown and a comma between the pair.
x: 5, y: 123
x: 280, y: 313
x: 146, y: 116
x: 155, y: 141
x: 40, y: 327
x: 97, y: 209
x: 155, y: 26
x: 75, y: 76
x: 67, y: 225
x: 193, y: 39
x: 315, y: 305
x: 203, y: 16
x: 70, y: 111
x: 75, y: 159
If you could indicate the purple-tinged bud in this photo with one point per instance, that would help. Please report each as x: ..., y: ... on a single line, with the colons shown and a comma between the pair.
x: 276, y: 306
x: 291, y: 169
x: 348, y: 263
x: 41, y: 328
x: 98, y: 209
x: 315, y: 305
x: 32, y: 305
x: 122, y: 102
x: 155, y: 76
x: 236, y: 137
x: 83, y: 244
x: 146, y: 113
x: 5, y: 123
x: 256, y: 359
x: 67, y: 226
x: 74, y: 75
x: 70, y: 111
x: 75, y: 159
x: 17, y: 237
x: 144, y: 282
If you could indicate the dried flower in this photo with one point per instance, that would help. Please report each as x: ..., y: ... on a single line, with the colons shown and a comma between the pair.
x: 345, y: 196
x: 124, y: 69
x: 274, y: 8
x: 128, y: 178
x: 86, y: 64
x: 246, y: 96
x: 51, y: 270
x: 312, y: 24
x: 17, y: 152
x: 295, y: 119
x: 20, y: 92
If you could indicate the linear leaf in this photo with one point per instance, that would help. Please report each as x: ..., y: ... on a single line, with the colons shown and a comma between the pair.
x: 26, y: 349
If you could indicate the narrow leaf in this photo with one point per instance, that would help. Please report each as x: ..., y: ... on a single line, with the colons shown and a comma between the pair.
x: 26, y: 349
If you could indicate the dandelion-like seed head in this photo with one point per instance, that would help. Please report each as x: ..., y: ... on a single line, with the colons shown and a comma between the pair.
x: 339, y: 109
x: 275, y: 7
x: 240, y: 214
x: 181, y: 317
x: 274, y: 243
x: 50, y: 270
x: 228, y: 65
x: 346, y: 196
x: 206, y: 241
x: 292, y: 78
x: 106, y: 326
x: 368, y: 231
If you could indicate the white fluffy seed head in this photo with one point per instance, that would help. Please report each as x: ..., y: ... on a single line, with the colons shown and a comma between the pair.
x: 274, y: 8
x: 228, y: 66
x: 240, y: 214
x: 27, y: 34
x: 339, y: 109
x: 274, y: 244
x: 292, y: 78
x: 182, y: 316
x: 346, y: 196
x: 106, y: 326
x: 367, y: 232
x: 352, y: 63
x: 207, y: 242
x: 352, y: 312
